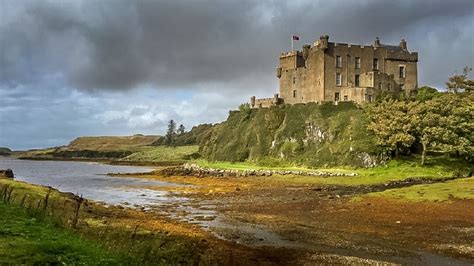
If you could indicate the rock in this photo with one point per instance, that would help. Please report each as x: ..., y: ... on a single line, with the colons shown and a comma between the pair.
x: 7, y: 173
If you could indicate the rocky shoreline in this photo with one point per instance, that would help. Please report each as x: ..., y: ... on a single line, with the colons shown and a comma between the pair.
x: 199, y: 171
x: 8, y: 173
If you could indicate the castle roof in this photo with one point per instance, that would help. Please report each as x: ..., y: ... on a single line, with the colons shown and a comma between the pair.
x: 392, y: 48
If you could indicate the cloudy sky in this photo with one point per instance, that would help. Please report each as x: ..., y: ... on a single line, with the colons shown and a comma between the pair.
x: 117, y: 67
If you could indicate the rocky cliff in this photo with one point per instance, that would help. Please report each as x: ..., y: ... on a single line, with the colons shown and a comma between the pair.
x: 307, y: 134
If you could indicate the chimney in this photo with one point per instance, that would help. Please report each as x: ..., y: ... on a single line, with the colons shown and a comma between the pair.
x: 377, y: 42
x: 403, y: 45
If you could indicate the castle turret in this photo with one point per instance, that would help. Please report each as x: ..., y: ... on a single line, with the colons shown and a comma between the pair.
x: 252, y: 101
x: 324, y: 42
x: 403, y: 45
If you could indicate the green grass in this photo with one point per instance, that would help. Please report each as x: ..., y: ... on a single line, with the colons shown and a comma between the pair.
x: 437, y: 168
x: 163, y: 154
x: 253, y: 166
x: 35, y: 239
x: 447, y: 191
x: 148, y: 248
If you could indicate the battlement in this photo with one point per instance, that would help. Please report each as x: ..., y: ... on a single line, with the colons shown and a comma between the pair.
x: 265, y: 102
x: 290, y: 53
x: 394, y: 52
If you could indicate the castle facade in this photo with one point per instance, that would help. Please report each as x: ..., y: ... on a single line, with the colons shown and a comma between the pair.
x: 327, y: 71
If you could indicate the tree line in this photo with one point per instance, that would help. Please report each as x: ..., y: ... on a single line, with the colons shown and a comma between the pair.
x: 173, y: 132
x: 431, y: 121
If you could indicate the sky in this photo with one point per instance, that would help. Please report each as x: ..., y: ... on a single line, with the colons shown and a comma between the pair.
x: 72, y: 68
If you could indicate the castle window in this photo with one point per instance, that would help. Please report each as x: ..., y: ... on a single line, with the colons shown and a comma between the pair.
x: 357, y: 80
x: 401, y: 72
x: 346, y: 98
x: 294, y: 80
x: 375, y: 64
x: 338, y: 61
x: 336, y: 96
x: 380, y: 86
x: 389, y: 85
x: 294, y: 93
x: 357, y: 62
x: 338, y: 79
x: 370, y: 98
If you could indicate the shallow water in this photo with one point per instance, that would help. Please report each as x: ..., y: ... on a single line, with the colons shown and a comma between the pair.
x: 90, y: 180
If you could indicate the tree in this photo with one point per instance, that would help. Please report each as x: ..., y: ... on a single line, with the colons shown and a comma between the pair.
x: 391, y: 124
x: 445, y: 122
x: 181, y: 129
x: 171, y: 133
x: 426, y: 93
x: 461, y: 82
x: 245, y: 110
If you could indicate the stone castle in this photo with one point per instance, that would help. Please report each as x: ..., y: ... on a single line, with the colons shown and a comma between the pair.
x: 333, y: 72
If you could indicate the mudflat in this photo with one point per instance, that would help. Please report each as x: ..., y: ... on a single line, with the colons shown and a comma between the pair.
x: 334, y: 223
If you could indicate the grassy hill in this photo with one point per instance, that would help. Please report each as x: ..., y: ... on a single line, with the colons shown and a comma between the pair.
x: 304, y: 134
x: 109, y: 143
x: 312, y: 135
x: 136, y: 148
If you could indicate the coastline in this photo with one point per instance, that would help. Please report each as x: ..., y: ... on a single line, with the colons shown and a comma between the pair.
x: 296, y: 219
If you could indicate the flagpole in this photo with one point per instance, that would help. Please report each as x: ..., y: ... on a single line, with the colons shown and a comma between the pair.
x: 292, y: 43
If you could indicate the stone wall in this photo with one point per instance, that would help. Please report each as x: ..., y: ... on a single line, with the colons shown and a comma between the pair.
x: 265, y: 102
x: 196, y: 170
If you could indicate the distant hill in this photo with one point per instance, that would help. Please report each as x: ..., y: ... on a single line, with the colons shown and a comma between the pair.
x: 110, y: 143
x: 4, y: 151
x: 308, y: 134
x: 136, y: 148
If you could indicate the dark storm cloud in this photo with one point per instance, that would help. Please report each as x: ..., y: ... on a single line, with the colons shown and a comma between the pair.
x: 126, y: 44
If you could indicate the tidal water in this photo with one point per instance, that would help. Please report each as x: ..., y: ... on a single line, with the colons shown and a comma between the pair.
x: 90, y: 180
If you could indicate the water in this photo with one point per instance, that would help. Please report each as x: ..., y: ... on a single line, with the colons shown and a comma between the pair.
x: 92, y: 182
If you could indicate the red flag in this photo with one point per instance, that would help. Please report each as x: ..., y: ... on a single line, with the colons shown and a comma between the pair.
x: 296, y: 38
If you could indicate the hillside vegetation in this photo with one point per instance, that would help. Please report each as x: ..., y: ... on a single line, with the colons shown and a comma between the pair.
x: 311, y: 134
x: 111, y: 143
x: 37, y: 240
x: 136, y: 148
